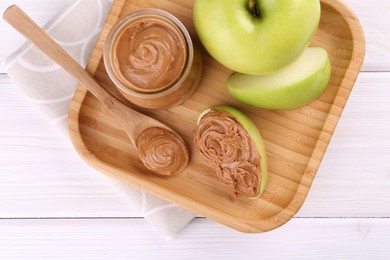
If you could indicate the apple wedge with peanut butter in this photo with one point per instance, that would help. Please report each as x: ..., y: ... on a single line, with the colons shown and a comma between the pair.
x: 231, y: 142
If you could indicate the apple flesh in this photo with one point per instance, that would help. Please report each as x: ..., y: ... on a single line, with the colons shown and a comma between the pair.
x: 253, y: 132
x: 256, y: 38
x: 291, y: 87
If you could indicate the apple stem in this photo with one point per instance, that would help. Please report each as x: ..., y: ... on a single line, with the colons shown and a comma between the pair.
x: 253, y: 8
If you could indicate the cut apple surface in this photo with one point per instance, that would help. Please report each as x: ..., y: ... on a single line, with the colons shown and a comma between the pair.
x: 293, y: 86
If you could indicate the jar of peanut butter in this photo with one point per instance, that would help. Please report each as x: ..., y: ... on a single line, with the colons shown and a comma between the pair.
x: 151, y: 58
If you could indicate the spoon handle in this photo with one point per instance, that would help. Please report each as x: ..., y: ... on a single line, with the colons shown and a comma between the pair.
x: 27, y: 27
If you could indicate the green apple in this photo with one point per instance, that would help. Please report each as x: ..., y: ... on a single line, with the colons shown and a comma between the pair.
x: 256, y: 36
x: 253, y: 132
x: 291, y: 87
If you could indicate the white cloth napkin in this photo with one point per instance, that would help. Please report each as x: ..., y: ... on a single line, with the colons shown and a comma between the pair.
x: 76, y: 28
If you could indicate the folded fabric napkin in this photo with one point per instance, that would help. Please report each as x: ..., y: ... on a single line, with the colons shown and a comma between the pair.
x: 76, y: 28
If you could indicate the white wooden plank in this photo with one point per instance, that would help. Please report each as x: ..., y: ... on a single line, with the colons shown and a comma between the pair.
x: 203, y: 239
x: 41, y: 175
x: 374, y: 16
x: 375, y: 19
x: 354, y: 176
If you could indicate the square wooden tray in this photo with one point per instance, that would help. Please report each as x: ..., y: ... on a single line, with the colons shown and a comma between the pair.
x: 295, y: 140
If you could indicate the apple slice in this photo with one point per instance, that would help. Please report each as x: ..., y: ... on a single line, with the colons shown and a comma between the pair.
x: 233, y: 144
x: 293, y: 86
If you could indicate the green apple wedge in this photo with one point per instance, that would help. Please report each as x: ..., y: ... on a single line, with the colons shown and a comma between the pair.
x: 256, y: 36
x: 253, y: 132
x: 291, y: 87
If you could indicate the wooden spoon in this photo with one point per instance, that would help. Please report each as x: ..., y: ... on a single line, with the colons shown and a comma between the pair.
x: 137, y: 126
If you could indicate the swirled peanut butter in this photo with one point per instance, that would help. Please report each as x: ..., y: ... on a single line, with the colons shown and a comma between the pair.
x: 162, y: 151
x: 150, y: 55
x: 222, y: 139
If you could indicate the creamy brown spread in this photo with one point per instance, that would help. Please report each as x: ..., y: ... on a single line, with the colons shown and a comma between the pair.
x: 162, y: 151
x: 150, y: 55
x: 222, y: 139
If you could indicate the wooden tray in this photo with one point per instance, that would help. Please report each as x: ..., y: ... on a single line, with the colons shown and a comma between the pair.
x: 295, y: 140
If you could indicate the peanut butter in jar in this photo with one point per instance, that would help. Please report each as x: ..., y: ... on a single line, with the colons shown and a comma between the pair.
x: 150, y: 57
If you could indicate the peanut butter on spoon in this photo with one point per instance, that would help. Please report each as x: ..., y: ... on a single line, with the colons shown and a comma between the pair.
x: 162, y: 151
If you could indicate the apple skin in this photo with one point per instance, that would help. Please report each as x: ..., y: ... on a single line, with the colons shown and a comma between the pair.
x: 291, y: 87
x: 256, y: 45
x: 253, y: 131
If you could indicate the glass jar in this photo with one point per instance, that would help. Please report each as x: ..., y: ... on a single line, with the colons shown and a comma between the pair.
x: 130, y: 81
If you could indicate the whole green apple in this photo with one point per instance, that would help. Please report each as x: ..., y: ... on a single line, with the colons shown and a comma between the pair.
x: 256, y: 36
x: 254, y: 134
x: 293, y: 86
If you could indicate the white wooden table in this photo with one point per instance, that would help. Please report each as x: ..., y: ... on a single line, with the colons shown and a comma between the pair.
x: 52, y: 206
